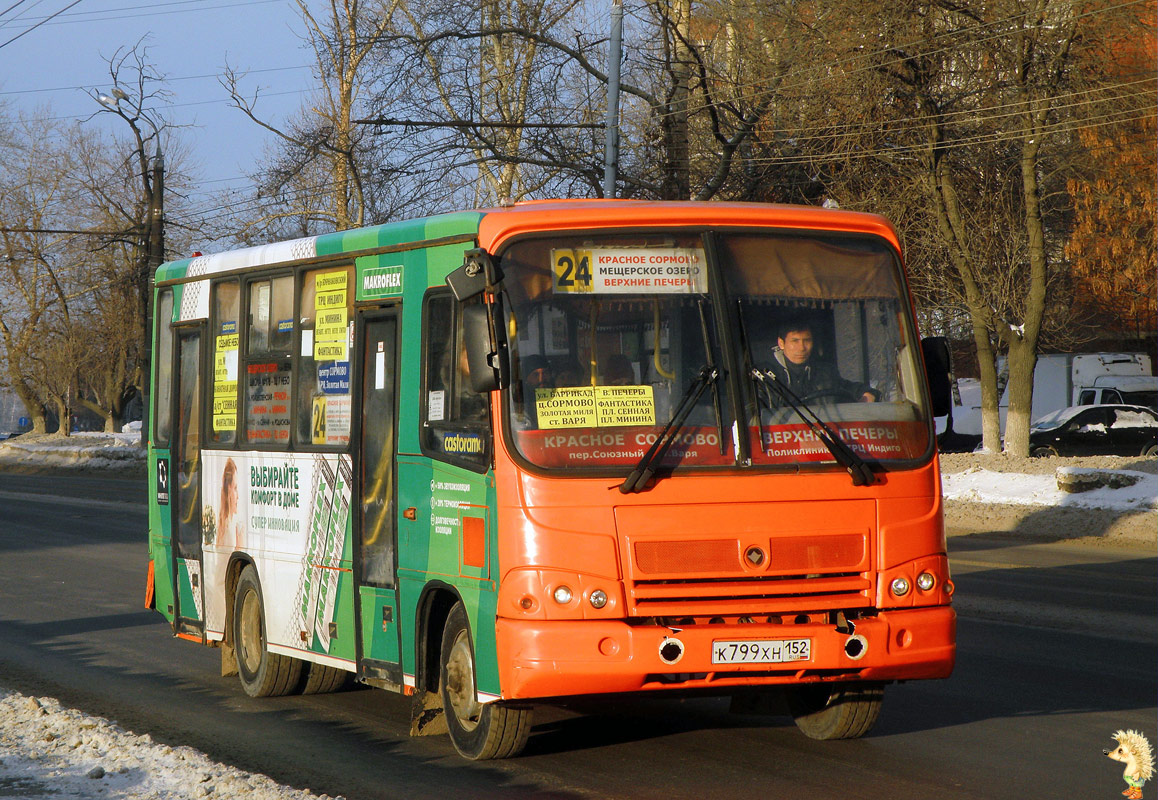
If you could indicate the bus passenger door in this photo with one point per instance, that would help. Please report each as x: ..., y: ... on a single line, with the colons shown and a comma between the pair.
x: 186, y: 488
x: 376, y: 531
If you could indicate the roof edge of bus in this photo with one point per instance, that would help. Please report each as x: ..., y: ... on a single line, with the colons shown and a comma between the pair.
x: 499, y: 224
x: 355, y: 241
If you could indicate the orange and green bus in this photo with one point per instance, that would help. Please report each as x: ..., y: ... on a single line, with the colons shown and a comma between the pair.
x: 510, y: 456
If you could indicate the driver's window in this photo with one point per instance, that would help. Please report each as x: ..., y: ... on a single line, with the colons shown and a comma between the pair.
x: 455, y: 420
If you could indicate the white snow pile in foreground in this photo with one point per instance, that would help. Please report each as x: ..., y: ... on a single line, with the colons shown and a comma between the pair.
x: 89, y: 450
x: 48, y: 752
x: 976, y: 485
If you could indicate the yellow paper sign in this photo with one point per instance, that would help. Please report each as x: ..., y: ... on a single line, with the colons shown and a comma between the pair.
x: 572, y: 407
x: 594, y: 406
x: 330, y: 325
x: 624, y: 405
x: 571, y: 270
x: 330, y: 351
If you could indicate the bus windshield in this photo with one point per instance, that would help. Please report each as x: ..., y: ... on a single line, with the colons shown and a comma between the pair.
x: 612, y: 337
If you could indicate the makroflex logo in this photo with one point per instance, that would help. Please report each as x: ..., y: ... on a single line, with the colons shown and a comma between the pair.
x: 381, y: 282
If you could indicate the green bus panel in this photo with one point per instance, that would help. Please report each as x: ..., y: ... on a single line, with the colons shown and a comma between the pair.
x: 160, y: 542
x: 379, y: 625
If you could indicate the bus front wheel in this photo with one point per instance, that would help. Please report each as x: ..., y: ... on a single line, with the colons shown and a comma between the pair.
x: 479, y: 731
x: 836, y: 711
x: 262, y: 673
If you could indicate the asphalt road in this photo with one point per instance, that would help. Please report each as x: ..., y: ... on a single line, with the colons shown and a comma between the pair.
x: 1058, y: 648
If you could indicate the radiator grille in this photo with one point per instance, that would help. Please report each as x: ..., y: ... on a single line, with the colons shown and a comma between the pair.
x: 707, y: 576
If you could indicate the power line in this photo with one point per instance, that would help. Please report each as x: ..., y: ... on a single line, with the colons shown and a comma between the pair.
x: 92, y: 16
x: 17, y: 3
x: 37, y: 25
x: 167, y: 80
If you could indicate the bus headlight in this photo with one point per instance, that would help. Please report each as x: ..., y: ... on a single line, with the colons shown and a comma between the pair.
x: 900, y: 586
x: 598, y: 598
x: 926, y: 581
x: 562, y: 595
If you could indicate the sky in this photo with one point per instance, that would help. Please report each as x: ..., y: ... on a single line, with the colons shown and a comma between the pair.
x: 61, y: 62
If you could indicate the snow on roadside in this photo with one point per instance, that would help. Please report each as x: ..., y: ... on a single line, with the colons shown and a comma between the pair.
x: 978, y: 485
x: 85, y: 450
x: 48, y: 752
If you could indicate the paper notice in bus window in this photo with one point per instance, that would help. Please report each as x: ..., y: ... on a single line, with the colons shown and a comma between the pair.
x: 330, y: 324
x: 329, y: 351
x: 330, y: 281
x: 436, y: 405
x: 338, y: 419
x: 611, y: 270
x: 624, y: 405
x: 225, y: 383
x: 594, y: 406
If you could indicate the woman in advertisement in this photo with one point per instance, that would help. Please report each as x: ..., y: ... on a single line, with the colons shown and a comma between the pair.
x: 230, y: 531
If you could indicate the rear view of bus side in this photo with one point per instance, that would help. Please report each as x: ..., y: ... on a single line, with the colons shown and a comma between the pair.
x: 562, y: 448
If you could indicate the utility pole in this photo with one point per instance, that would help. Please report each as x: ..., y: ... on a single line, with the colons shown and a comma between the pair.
x: 156, y: 256
x: 611, y: 145
x: 151, y: 247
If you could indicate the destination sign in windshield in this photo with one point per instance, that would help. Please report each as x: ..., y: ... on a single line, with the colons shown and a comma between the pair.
x: 629, y: 270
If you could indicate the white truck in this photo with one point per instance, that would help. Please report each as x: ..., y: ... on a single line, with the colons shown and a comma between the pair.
x: 1113, y: 378
x: 1061, y: 380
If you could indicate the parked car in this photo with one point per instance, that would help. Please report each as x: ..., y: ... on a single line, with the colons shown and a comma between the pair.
x: 1102, y: 430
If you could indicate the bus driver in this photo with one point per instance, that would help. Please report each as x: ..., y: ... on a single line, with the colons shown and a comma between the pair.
x: 794, y: 367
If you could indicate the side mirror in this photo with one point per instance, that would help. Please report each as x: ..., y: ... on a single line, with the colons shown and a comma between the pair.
x: 477, y: 273
x: 487, y: 357
x: 935, y: 349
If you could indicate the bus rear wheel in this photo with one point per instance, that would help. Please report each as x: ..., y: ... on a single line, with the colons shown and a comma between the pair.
x: 836, y: 711
x: 479, y: 731
x: 262, y: 673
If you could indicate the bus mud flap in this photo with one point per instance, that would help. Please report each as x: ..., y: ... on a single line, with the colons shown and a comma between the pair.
x: 426, y: 715
x: 228, y: 660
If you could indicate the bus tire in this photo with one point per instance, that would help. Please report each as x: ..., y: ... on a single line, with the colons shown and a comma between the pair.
x: 479, y: 731
x: 836, y: 711
x: 321, y: 679
x: 262, y: 673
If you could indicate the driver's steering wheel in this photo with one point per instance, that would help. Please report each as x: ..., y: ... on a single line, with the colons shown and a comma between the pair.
x: 837, y: 393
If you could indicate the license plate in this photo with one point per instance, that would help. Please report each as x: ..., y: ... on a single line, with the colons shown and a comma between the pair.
x: 761, y: 651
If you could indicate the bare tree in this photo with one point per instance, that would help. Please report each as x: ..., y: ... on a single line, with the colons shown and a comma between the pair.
x: 322, y: 173
x: 969, y: 109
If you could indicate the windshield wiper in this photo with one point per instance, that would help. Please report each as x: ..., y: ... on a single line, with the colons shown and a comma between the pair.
x: 856, y: 466
x: 637, y: 480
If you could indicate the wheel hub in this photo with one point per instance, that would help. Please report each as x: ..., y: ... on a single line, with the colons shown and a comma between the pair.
x: 460, y: 683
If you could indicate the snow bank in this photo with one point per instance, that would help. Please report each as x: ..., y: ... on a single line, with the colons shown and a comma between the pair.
x: 979, y: 485
x: 48, y: 751
x: 80, y: 450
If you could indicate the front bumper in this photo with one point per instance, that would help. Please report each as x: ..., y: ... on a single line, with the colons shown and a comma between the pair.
x: 561, y: 658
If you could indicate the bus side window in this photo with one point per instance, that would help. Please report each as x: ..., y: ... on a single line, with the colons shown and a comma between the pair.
x: 163, y: 386
x: 323, y: 403
x: 455, y: 420
x: 225, y: 338
x: 268, y: 362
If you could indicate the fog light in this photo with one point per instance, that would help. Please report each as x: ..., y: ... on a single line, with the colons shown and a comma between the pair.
x: 598, y: 598
x: 562, y: 595
x: 900, y: 586
x: 925, y: 581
